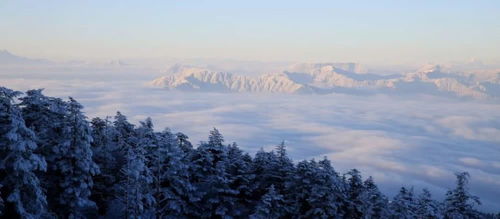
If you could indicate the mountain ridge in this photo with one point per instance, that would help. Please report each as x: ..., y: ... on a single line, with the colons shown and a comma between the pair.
x: 330, y: 78
x: 7, y: 57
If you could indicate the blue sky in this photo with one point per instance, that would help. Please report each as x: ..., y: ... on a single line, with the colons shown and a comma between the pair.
x: 391, y: 32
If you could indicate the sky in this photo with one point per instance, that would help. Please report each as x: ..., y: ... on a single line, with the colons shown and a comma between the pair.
x: 389, y: 32
x: 418, y: 141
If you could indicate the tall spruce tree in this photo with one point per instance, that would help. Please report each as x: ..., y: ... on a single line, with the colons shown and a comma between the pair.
x: 335, y: 185
x: 274, y: 168
x: 124, y: 136
x: 284, y: 166
x: 135, y: 194
x: 355, y: 189
x: 105, y: 153
x: 18, y: 162
x: 270, y: 206
x: 239, y: 170
x: 183, y: 142
x: 262, y: 167
x: 172, y: 189
x: 426, y: 206
x: 134, y: 190
x: 313, y: 192
x: 209, y: 164
x: 46, y: 117
x: 75, y: 163
x: 403, y: 205
x: 459, y: 203
x: 375, y: 204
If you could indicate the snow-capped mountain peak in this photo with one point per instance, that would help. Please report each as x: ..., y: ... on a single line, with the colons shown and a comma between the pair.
x: 328, y: 78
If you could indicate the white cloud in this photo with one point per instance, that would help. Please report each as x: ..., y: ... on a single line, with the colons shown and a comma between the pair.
x: 471, y: 127
x: 420, y: 141
x: 470, y: 161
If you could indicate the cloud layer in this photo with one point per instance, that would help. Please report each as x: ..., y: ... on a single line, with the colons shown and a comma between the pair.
x: 417, y: 141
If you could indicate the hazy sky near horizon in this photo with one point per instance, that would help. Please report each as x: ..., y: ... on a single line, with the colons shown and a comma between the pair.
x: 390, y: 32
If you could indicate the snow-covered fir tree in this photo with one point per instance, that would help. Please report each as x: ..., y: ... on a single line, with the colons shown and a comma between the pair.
x: 239, y: 170
x: 314, y: 193
x: 75, y: 163
x: 355, y: 188
x: 215, y: 138
x: 208, y: 168
x: 173, y: 191
x: 427, y: 207
x: 336, y: 186
x: 135, y: 194
x: 124, y: 135
x: 459, y: 203
x: 284, y: 166
x: 273, y: 168
x: 271, y: 205
x: 19, y: 162
x: 375, y: 204
x: 138, y: 172
x: 183, y: 142
x: 146, y: 138
x: 134, y: 191
x: 403, y: 205
x: 262, y: 168
x: 45, y: 116
x: 105, y: 153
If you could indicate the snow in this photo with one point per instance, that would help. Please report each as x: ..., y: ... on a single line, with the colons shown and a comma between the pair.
x: 328, y: 78
x: 159, y: 178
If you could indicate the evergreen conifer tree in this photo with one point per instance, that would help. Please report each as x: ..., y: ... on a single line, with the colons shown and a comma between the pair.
x: 46, y: 117
x: 105, y: 154
x: 355, y: 189
x: 173, y: 191
x: 19, y: 162
x: 134, y: 190
x: 75, y: 163
x: 241, y: 177
x: 183, y: 142
x: 459, y: 203
x: 270, y: 206
x: 403, y: 205
x: 313, y: 192
x: 209, y: 164
x: 375, y: 204
x: 426, y: 206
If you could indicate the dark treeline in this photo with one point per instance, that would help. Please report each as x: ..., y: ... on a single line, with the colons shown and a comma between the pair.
x: 57, y: 164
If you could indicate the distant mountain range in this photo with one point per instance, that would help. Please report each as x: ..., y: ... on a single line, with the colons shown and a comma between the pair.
x: 7, y: 58
x: 307, y: 78
x: 327, y: 78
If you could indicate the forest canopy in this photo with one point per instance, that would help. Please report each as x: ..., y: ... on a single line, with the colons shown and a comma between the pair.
x: 57, y: 163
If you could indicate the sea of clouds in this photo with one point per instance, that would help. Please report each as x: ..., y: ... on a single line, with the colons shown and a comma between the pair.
x: 400, y: 141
